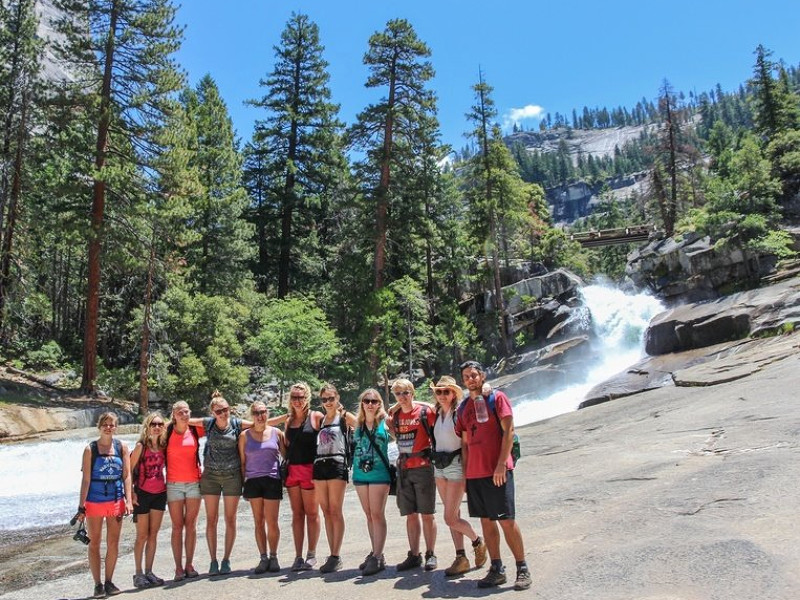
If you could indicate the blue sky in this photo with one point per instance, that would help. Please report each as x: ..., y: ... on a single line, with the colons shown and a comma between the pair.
x: 553, y: 55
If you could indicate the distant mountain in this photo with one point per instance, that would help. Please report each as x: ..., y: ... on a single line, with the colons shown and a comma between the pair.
x: 599, y: 143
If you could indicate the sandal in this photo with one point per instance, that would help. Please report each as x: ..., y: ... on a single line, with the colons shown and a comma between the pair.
x: 191, y: 573
x: 180, y: 575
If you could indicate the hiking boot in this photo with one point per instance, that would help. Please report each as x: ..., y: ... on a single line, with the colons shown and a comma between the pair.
x: 430, y: 561
x: 459, y: 567
x: 153, y: 578
x: 373, y: 565
x: 99, y: 591
x: 273, y: 566
x: 363, y: 565
x: 412, y: 561
x: 262, y: 566
x: 110, y: 589
x: 298, y: 564
x: 226, y: 567
x: 480, y: 554
x: 334, y: 563
x: 523, y: 581
x: 213, y: 568
x: 140, y: 581
x: 493, y: 578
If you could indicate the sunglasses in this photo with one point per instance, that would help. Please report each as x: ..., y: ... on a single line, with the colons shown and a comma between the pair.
x: 158, y: 424
x: 402, y: 393
x: 259, y: 413
x: 293, y: 398
x: 108, y: 425
x: 370, y: 401
x: 222, y: 411
x: 444, y: 392
x: 328, y: 399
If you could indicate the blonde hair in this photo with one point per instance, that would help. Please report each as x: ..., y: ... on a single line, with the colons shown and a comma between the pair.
x: 306, y: 389
x: 216, y: 398
x: 144, y: 434
x: 401, y: 384
x: 380, y: 415
x: 178, y: 405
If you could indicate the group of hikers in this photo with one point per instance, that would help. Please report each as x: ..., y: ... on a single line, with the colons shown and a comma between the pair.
x: 462, y: 443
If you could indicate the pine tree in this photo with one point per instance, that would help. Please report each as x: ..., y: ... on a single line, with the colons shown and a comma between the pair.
x: 121, y: 53
x: 218, y: 259
x: 298, y: 143
x: 386, y: 131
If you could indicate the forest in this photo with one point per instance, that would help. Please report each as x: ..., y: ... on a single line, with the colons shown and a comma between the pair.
x: 146, y: 250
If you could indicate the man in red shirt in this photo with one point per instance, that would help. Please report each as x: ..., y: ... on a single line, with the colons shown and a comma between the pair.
x: 416, y: 487
x: 486, y: 428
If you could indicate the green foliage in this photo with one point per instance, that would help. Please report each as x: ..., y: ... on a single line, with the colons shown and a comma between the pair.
x: 294, y: 341
x: 47, y: 356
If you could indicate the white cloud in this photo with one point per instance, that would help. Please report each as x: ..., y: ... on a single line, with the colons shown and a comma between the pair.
x: 515, y: 115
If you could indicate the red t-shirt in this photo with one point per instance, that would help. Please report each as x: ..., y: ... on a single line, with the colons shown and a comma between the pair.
x: 485, y: 439
x: 182, y: 464
x: 411, y: 434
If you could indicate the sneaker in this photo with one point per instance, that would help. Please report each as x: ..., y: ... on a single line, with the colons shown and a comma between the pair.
x: 272, y: 564
x: 334, y: 563
x: 226, y: 567
x: 363, y: 565
x: 110, y: 589
x: 310, y: 562
x: 493, y: 578
x: 213, y: 569
x: 140, y: 581
x: 373, y: 565
x: 480, y: 554
x: 523, y: 581
x: 412, y: 561
x: 298, y: 564
x: 459, y: 567
x: 430, y: 561
x: 153, y: 578
x: 262, y: 566
x: 99, y: 591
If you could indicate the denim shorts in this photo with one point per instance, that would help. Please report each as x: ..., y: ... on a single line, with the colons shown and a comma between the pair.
x: 183, y: 490
x: 452, y: 472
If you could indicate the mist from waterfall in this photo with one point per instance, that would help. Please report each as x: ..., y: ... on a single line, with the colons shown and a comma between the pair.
x: 619, y: 321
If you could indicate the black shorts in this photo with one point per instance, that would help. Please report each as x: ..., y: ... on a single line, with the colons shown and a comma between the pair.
x: 265, y: 487
x: 485, y: 500
x: 326, y: 469
x: 147, y: 502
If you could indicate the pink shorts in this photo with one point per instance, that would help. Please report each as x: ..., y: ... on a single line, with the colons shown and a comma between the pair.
x: 113, y: 508
x: 300, y: 475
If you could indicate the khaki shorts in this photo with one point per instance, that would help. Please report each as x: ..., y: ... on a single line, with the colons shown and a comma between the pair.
x: 227, y: 483
x: 452, y: 472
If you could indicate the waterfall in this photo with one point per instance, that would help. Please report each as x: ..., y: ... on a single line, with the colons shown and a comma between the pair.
x: 619, y: 321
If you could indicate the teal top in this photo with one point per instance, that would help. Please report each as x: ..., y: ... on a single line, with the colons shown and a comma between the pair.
x: 366, y: 451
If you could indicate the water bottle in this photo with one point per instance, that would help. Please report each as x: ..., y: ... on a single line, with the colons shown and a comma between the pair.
x: 481, y: 412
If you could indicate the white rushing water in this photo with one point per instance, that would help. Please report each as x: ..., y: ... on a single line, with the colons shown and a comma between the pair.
x: 41, y: 481
x: 620, y: 321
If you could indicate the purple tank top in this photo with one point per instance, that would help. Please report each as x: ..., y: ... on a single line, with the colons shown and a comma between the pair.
x: 262, y: 459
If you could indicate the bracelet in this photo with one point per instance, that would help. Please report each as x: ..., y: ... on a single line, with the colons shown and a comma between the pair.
x: 82, y: 510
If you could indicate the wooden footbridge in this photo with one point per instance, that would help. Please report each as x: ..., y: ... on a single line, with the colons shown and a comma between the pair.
x: 609, y: 237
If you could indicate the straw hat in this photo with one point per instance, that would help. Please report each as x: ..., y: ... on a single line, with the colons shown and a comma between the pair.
x: 448, y: 382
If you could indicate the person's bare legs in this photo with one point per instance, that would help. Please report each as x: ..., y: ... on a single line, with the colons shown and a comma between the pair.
x: 429, y: 532
x: 191, y: 513
x: 230, y: 504
x: 414, y: 532
x: 154, y: 526
x: 259, y: 525
x: 94, y: 529
x: 142, y: 535
x: 113, y: 529
x: 212, y: 518
x: 271, y: 508
x: 513, y: 537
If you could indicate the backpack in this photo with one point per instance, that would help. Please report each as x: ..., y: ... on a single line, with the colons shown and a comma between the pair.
x: 516, y: 451
x: 349, y: 442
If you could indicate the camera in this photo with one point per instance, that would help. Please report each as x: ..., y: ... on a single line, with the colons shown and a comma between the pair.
x: 80, y: 535
x: 366, y: 464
